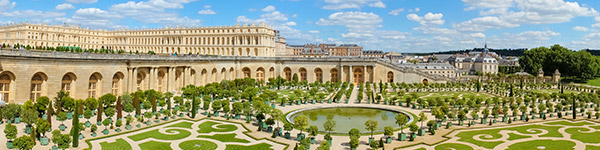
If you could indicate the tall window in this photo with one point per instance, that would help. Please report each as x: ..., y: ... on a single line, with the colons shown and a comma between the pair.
x: 246, y: 72
x: 92, y: 86
x: 139, y: 81
x: 36, y: 87
x: 115, y: 84
x: 288, y: 74
x: 302, y: 74
x: 260, y: 74
x: 334, y: 75
x: 66, y: 83
x: 319, y: 74
x: 4, y: 86
x: 390, y: 76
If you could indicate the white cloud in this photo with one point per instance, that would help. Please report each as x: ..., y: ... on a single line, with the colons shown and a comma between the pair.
x: 92, y: 17
x: 429, y: 19
x: 314, y: 31
x: 281, y: 22
x: 252, y: 9
x: 483, y: 23
x: 291, y: 23
x: 207, y: 12
x: 64, y: 6
x: 377, y: 4
x: 580, y: 28
x: 530, y: 11
x: 353, y: 20
x: 396, y: 12
x: 34, y: 15
x: 414, y: 10
x: 82, y: 1
x: 588, y: 41
x: 154, y: 11
x: 347, y: 4
x: 269, y: 8
x: 7, y: 5
x: 207, y: 6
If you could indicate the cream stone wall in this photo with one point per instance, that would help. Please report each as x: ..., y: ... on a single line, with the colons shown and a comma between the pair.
x: 170, y: 73
x: 239, y: 40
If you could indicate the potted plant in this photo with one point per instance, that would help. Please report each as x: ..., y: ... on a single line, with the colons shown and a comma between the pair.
x: 148, y: 115
x: 42, y: 127
x: 300, y: 123
x: 174, y: 113
x: 401, y: 120
x: 388, y: 131
x: 24, y: 142
x: 128, y: 121
x: 140, y: 119
x: 62, y: 116
x: 87, y: 114
x: 270, y: 122
x: 11, y: 133
x: 105, y: 122
x: 413, y: 129
x: 166, y: 114
x: 313, y: 131
x: 93, y: 130
x: 119, y: 123
x: 329, y: 125
x: 61, y: 140
x: 287, y: 127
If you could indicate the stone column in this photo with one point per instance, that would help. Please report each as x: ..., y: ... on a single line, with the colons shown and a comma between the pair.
x: 129, y: 79
x: 171, y: 79
x: 341, y: 74
x: 134, y: 80
x: 188, y: 75
x: 151, y: 80
x: 350, y: 73
x: 366, y: 74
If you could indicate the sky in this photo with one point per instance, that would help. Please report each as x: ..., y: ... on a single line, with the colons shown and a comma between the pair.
x: 389, y: 25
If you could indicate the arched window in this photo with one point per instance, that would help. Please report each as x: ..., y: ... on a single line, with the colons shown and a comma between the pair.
x: 288, y: 74
x: 5, y: 87
x: 67, y: 80
x: 115, y: 84
x: 246, y: 72
x: 93, y: 86
x: 390, y: 76
x: 36, y: 87
x: 334, y: 75
x: 140, y: 80
x: 260, y: 74
x: 302, y: 74
x: 319, y: 74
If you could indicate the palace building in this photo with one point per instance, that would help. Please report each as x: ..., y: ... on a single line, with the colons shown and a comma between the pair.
x: 218, y: 53
x: 238, y: 40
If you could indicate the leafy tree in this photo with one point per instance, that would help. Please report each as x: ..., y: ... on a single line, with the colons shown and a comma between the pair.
x: 24, y: 142
x: 388, y: 131
x: 413, y: 128
x: 237, y: 108
x: 41, y: 104
x: 323, y: 146
x: 105, y: 122
x: 75, y: 127
x: 371, y: 125
x: 29, y: 116
x: 42, y: 126
x: 87, y: 114
x: 313, y: 130
x: 10, y: 131
x: 422, y: 117
x: 62, y: 116
x: 11, y: 111
x: 354, y: 133
x: 288, y: 127
x: 329, y: 125
x: 300, y: 123
x: 168, y: 97
x: 127, y: 103
x: 401, y: 120
x: 62, y: 140
x: 216, y: 106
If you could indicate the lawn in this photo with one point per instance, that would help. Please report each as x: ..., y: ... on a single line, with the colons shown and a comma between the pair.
x: 120, y: 144
x: 224, y: 138
x: 177, y: 134
x: 207, y: 127
x: 453, y: 146
x: 593, y: 82
x: 467, y: 136
x: 187, y: 125
x: 547, y: 144
x: 154, y: 145
x: 260, y: 146
x: 197, y: 145
x: 568, y: 123
x: 582, y: 135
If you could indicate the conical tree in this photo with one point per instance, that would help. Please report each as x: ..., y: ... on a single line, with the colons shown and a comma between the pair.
x: 75, y: 125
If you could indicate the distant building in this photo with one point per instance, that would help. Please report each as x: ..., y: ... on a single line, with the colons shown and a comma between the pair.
x: 474, y: 62
x: 441, y: 69
x: 373, y: 53
x: 312, y: 50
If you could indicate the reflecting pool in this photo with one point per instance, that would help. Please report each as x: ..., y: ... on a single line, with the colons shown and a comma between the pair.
x: 349, y: 117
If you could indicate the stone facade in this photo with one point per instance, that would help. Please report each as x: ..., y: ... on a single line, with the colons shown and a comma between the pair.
x: 238, y: 40
x: 30, y: 74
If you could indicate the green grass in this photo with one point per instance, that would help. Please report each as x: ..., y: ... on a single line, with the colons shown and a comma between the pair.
x: 591, y: 147
x: 513, y: 136
x: 120, y: 144
x: 593, y: 82
x: 467, y: 136
x: 185, y: 124
x: 453, y: 146
x: 157, y: 135
x: 595, y: 127
x: 224, y: 138
x: 206, y: 127
x: 260, y: 146
x: 154, y: 145
x: 583, y: 137
x: 568, y: 123
x: 421, y: 148
x: 197, y: 145
x: 548, y: 144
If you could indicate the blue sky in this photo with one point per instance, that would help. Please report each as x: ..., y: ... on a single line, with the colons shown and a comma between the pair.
x: 390, y: 25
